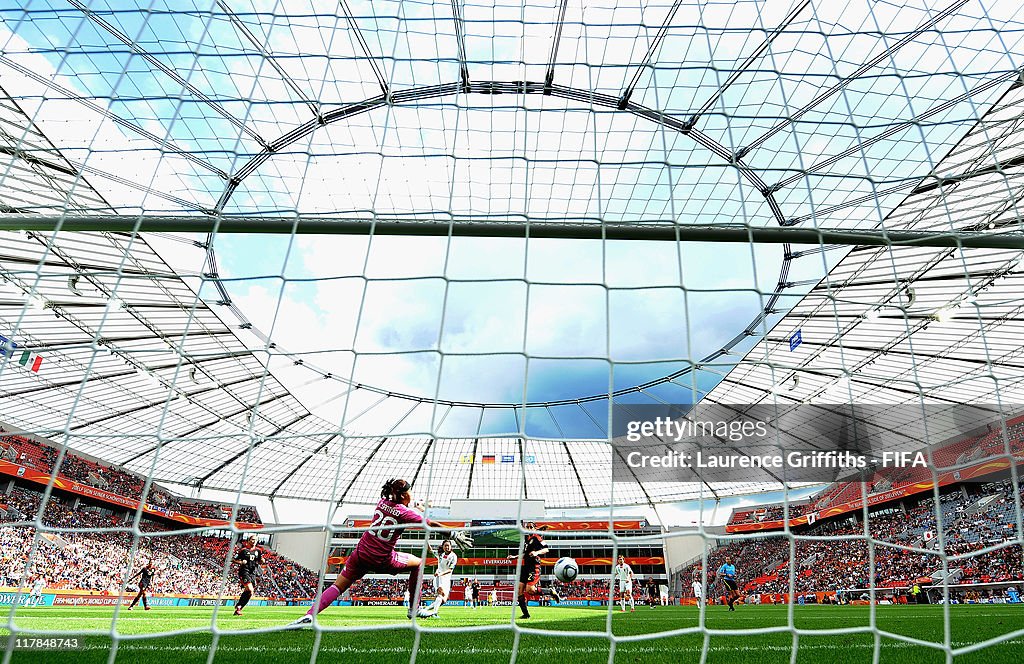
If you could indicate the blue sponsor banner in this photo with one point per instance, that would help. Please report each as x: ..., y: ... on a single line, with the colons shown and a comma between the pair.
x: 12, y: 597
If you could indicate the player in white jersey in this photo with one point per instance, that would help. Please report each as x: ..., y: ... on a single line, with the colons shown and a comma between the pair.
x: 446, y: 561
x: 36, y: 596
x: 697, y: 586
x: 624, y: 573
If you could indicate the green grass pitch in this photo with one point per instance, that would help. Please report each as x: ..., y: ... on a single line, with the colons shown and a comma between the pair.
x: 394, y: 643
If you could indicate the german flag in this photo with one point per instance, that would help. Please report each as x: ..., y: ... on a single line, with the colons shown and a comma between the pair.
x: 487, y: 458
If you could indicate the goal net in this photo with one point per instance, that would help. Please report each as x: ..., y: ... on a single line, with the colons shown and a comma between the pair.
x: 731, y: 290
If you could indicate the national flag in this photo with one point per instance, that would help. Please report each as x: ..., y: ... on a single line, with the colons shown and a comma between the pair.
x: 508, y: 458
x: 487, y: 458
x: 26, y: 358
x: 466, y: 458
x: 929, y: 535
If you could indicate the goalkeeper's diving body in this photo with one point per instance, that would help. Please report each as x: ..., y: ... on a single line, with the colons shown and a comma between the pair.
x: 529, y: 570
x: 375, y: 553
x: 727, y: 573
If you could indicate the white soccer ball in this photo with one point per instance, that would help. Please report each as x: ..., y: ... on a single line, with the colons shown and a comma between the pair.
x: 566, y: 569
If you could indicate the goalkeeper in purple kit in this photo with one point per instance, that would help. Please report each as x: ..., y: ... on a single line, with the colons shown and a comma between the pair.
x: 375, y: 553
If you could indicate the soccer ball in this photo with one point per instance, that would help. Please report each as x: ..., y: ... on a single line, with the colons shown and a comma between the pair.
x: 566, y: 569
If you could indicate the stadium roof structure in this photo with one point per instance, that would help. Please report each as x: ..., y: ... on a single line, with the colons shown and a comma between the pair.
x: 877, y: 145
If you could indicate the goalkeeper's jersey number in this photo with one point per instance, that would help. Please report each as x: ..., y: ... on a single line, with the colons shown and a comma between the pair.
x: 382, y: 526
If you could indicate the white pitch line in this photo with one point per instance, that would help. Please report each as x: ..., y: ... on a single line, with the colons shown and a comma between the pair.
x: 470, y: 650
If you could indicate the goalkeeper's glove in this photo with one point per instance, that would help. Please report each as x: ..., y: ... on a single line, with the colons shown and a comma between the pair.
x: 462, y: 539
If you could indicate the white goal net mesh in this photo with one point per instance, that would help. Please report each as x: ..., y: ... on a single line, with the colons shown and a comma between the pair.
x: 258, y: 258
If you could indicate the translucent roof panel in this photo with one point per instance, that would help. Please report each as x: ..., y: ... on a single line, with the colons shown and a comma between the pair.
x: 314, y: 367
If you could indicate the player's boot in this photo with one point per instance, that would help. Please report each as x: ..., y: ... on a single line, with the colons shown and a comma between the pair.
x: 238, y: 610
x: 554, y: 593
x: 304, y: 621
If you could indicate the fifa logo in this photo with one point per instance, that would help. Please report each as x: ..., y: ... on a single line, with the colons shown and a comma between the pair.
x: 25, y: 358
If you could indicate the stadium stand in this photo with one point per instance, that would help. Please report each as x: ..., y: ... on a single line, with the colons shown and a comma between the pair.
x: 975, y: 517
x: 957, y: 454
x: 186, y: 564
x: 30, y: 453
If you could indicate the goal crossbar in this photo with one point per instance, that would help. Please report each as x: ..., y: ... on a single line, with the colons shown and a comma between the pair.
x: 350, y: 225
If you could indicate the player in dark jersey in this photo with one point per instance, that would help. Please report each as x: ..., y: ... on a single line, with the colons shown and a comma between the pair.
x: 145, y: 578
x: 529, y: 569
x: 476, y: 593
x: 652, y: 592
x: 249, y: 559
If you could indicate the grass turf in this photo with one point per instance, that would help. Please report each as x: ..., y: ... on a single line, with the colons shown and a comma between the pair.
x: 389, y: 638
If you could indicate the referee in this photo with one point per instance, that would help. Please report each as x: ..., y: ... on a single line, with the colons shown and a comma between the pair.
x: 727, y: 572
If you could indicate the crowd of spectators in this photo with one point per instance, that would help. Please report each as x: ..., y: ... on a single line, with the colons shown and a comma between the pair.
x: 972, y: 520
x: 769, y: 513
x: 585, y: 589
x: 390, y: 589
x: 988, y: 445
x: 103, y: 560
x: 42, y: 457
x: 280, y: 577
